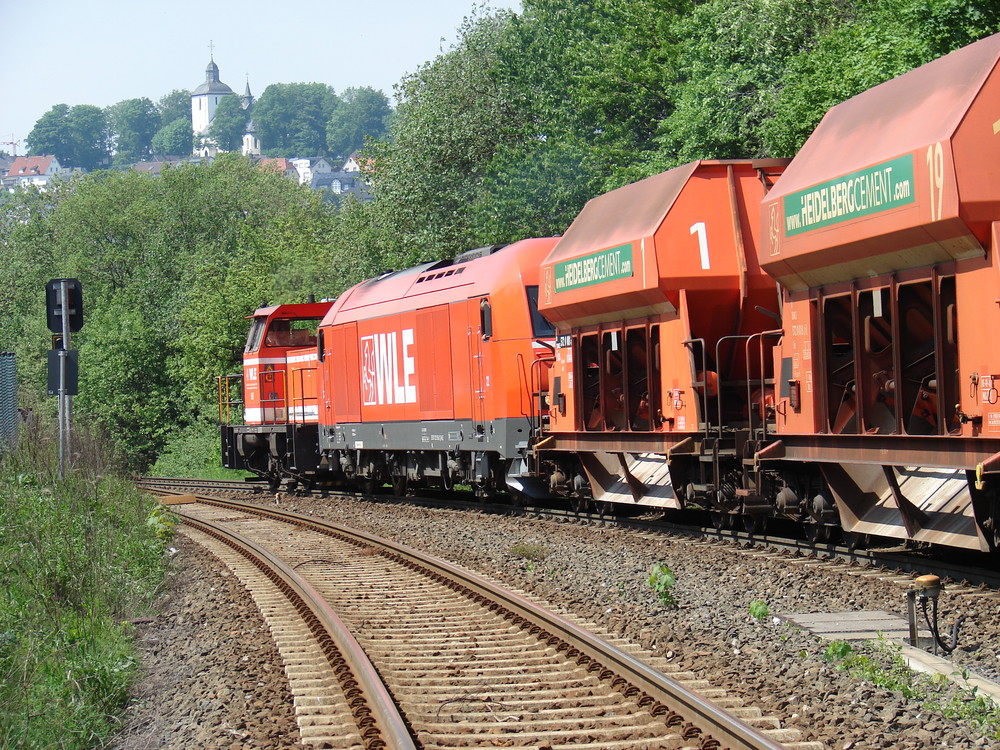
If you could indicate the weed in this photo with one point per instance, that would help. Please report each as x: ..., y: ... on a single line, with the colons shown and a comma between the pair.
x: 884, y: 666
x: 162, y: 522
x: 759, y: 610
x: 528, y: 551
x: 661, y: 580
x: 837, y: 651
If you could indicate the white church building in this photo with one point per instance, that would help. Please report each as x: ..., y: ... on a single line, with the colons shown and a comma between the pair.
x: 205, y: 100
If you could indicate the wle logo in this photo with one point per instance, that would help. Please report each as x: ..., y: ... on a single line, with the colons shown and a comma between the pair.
x: 387, y: 369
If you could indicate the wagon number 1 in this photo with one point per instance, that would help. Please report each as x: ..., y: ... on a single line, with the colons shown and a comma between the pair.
x: 935, y: 169
x: 702, y: 243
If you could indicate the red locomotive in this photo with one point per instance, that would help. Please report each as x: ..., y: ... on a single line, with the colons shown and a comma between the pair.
x: 433, y: 375
x: 278, y: 436
x: 756, y: 338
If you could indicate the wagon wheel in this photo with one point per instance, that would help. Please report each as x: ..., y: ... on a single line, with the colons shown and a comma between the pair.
x: 755, y: 524
x: 854, y: 540
x: 370, y: 485
x: 604, y: 508
x: 817, y: 532
x: 721, y: 520
x: 399, y: 485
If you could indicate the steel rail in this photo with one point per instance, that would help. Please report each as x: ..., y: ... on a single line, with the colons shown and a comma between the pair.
x: 979, y: 573
x: 661, y: 695
x: 377, y: 715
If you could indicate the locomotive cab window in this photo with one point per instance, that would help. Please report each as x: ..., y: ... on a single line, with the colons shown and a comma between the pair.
x: 540, y: 325
x: 286, y: 332
x: 255, y: 335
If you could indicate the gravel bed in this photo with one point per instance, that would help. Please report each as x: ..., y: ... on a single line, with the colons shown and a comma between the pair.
x: 212, y: 677
x: 601, y: 574
x: 215, y: 680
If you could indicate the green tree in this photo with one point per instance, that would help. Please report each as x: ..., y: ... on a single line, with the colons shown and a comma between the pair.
x: 451, y: 119
x: 731, y: 61
x: 596, y: 72
x: 76, y: 136
x: 291, y: 118
x: 881, y: 41
x: 229, y: 123
x: 88, y: 132
x: 133, y: 123
x: 173, y: 106
x: 51, y: 135
x: 362, y: 113
x: 176, y: 139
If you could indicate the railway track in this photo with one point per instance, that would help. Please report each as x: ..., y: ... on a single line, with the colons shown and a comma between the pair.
x: 466, y: 662
x: 975, y: 574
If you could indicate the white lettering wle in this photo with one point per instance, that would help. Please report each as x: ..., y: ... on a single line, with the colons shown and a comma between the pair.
x: 387, y: 369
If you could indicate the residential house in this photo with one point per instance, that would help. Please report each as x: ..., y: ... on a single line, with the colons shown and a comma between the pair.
x: 308, y: 169
x: 35, y: 171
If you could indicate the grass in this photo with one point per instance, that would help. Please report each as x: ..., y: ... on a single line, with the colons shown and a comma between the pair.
x: 881, y: 663
x: 78, y: 559
x: 194, y: 451
x: 528, y: 551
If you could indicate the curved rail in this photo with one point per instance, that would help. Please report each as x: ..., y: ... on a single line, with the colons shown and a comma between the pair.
x: 377, y: 716
x: 672, y: 702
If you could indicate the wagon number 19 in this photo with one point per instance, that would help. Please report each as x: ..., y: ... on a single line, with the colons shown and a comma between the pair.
x: 935, y: 169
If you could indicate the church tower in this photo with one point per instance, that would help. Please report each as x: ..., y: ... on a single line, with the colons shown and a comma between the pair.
x: 206, y: 98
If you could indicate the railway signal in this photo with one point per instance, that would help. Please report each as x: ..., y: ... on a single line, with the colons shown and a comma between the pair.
x: 64, y: 313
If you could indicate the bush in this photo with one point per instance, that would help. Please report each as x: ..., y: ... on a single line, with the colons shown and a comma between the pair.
x: 194, y: 451
x: 78, y: 560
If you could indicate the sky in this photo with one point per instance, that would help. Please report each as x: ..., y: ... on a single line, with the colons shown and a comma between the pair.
x: 103, y: 51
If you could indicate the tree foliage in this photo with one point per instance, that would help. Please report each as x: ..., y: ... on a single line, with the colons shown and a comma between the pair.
x: 76, y: 136
x: 291, y: 118
x: 170, y: 267
x: 173, y: 106
x: 229, y: 123
x: 133, y: 123
x: 362, y: 113
x: 175, y: 139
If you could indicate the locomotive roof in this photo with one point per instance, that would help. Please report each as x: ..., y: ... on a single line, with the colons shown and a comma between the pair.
x: 439, y: 282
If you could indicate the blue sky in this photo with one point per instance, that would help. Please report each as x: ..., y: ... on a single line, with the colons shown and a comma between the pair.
x: 103, y: 51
